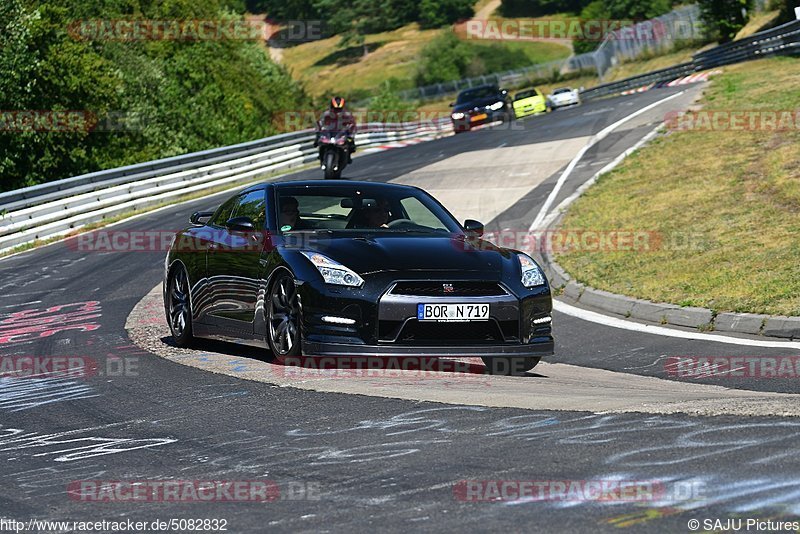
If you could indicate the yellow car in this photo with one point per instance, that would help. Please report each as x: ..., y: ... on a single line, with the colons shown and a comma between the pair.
x: 528, y: 102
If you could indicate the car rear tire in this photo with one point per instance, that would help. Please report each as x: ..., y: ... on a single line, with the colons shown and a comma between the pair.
x: 510, y: 366
x: 179, y: 308
x: 284, y: 317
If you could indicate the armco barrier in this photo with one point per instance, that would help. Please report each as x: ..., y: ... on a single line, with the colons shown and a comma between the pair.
x: 56, y: 208
x: 782, y: 40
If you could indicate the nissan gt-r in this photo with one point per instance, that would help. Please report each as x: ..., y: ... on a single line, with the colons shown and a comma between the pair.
x: 345, y: 268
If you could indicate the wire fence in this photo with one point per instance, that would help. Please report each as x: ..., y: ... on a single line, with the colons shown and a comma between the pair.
x: 655, y: 36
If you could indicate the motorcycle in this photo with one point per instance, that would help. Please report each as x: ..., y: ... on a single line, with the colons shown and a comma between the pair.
x: 333, y: 153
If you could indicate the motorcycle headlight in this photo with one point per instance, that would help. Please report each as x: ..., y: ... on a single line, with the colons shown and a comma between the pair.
x: 496, y: 106
x: 458, y: 116
x: 332, y: 271
x: 532, y: 275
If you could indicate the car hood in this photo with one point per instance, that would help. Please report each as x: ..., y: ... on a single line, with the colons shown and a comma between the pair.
x: 407, y: 253
x: 478, y: 103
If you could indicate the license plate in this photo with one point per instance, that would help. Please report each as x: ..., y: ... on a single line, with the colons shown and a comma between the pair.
x: 452, y: 312
x: 478, y: 117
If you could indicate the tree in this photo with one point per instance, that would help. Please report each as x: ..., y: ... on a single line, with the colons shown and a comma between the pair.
x: 437, y: 13
x: 622, y: 10
x: 445, y: 58
x: 724, y: 18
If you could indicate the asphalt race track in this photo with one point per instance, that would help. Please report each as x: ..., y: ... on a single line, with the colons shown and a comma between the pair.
x: 361, y: 459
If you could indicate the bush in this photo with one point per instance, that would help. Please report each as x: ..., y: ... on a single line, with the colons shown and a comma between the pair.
x: 444, y: 59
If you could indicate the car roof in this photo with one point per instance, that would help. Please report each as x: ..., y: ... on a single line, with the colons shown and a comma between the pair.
x: 487, y: 86
x: 332, y: 184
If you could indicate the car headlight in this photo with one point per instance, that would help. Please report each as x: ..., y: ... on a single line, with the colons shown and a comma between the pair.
x: 496, y: 106
x: 457, y: 116
x: 532, y: 275
x: 332, y: 271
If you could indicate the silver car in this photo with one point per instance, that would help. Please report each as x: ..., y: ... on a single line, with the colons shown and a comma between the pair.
x: 563, y: 97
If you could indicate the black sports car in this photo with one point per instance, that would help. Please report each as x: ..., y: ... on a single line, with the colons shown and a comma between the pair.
x: 354, y: 269
x: 479, y: 105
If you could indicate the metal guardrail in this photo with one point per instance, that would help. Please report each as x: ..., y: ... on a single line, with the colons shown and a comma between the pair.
x: 781, y: 40
x: 55, y: 208
x: 658, y: 76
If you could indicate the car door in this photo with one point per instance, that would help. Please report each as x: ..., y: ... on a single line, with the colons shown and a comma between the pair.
x: 233, y: 264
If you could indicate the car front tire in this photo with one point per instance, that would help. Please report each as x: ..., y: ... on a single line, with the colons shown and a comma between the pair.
x: 284, y: 317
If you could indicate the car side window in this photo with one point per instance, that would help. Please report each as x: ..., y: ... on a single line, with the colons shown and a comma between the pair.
x: 252, y: 205
x: 223, y: 213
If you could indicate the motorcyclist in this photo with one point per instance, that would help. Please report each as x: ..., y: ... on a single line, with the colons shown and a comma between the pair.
x: 337, y: 118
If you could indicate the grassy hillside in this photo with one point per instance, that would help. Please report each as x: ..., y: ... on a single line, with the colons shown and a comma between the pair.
x: 326, y: 69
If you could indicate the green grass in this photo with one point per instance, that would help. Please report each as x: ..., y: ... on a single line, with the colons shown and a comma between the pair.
x: 723, y: 204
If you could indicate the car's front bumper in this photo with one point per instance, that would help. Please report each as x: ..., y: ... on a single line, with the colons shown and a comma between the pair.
x: 543, y: 347
x: 385, y: 322
x: 479, y: 118
x: 525, y: 110
x: 565, y: 102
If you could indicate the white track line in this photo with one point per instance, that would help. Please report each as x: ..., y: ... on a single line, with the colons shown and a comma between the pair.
x: 578, y: 192
x: 615, y: 322
x: 592, y: 141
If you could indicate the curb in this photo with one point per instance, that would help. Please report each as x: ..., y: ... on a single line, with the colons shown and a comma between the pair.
x: 703, y: 319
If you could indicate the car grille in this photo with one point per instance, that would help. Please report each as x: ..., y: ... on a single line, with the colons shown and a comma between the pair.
x: 448, y: 333
x: 421, y: 332
x: 459, y: 289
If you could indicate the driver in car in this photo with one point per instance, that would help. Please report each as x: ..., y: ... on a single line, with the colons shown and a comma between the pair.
x: 377, y: 216
x: 290, y: 214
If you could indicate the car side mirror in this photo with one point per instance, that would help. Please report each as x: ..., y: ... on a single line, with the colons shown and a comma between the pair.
x: 196, y: 216
x: 452, y: 104
x: 473, y: 227
x: 241, y: 224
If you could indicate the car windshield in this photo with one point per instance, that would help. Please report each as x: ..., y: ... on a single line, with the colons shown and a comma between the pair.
x: 560, y: 91
x: 360, y: 208
x: 525, y: 94
x: 473, y: 94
